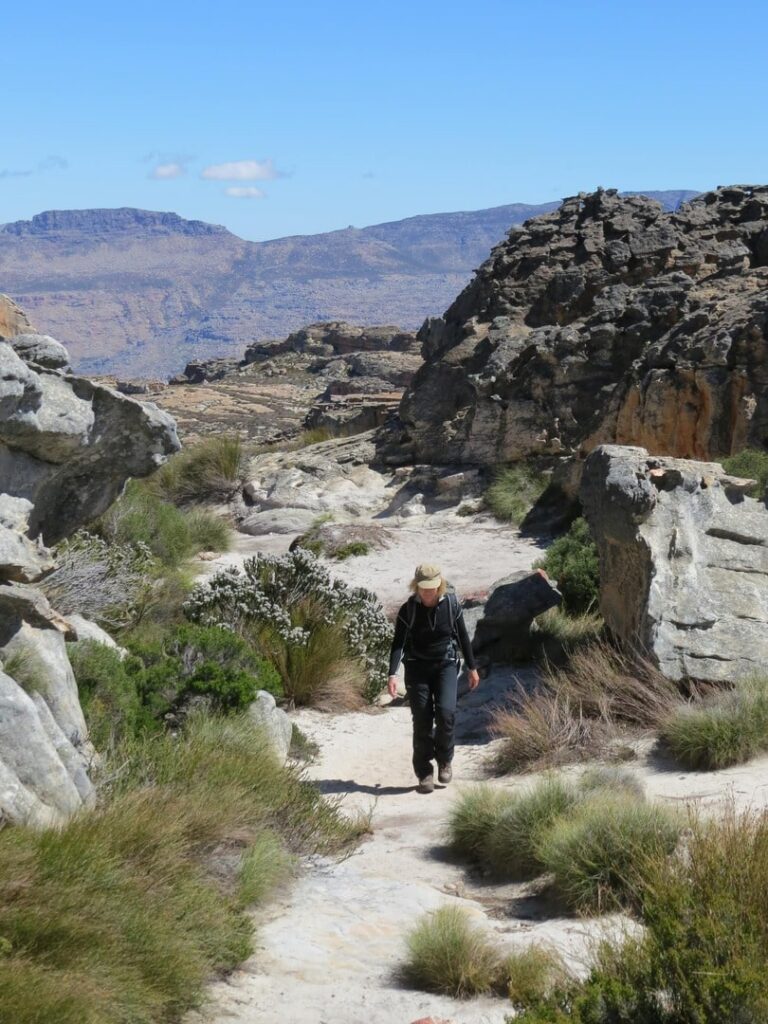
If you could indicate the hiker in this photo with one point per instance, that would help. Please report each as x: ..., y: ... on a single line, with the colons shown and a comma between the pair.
x: 429, y: 632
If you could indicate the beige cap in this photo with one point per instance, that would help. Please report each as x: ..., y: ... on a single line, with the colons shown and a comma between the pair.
x: 427, y: 577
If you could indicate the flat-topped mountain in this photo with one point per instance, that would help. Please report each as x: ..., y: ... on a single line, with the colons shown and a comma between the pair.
x: 137, y: 292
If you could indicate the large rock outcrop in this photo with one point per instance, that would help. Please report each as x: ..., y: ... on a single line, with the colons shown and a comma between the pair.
x: 608, y: 320
x: 683, y: 561
x: 67, y: 447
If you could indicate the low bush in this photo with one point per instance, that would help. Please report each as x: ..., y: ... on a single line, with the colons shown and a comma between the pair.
x: 123, y: 914
x: 513, y: 492
x: 572, y: 561
x: 750, y: 463
x: 329, y: 642
x: 172, y: 535
x: 354, y: 549
x: 561, y: 633
x: 213, y: 469
x: 705, y: 940
x: 123, y: 698
x: 109, y: 582
x: 596, y: 853
x: 602, y: 695
x: 721, y: 730
x: 511, y: 848
x: 448, y: 954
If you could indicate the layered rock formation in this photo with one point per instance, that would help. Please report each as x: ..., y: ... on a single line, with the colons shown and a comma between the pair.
x: 683, y: 561
x: 608, y: 320
x: 67, y: 446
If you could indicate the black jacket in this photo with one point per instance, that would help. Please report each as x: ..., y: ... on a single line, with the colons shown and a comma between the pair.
x: 430, y: 638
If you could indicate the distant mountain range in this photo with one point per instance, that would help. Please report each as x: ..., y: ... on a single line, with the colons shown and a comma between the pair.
x: 140, y: 293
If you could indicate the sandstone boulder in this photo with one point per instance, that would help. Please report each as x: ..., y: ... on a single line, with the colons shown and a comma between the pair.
x: 683, y: 561
x: 607, y: 320
x: 502, y: 624
x: 42, y: 350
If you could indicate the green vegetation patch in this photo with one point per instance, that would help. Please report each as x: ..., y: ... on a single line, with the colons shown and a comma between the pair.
x: 572, y: 561
x: 513, y: 492
x: 751, y: 463
x: 123, y: 914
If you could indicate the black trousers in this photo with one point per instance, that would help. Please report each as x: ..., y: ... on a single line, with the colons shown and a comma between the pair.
x: 431, y: 688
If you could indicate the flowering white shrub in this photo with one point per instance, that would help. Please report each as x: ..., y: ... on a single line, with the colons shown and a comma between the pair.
x: 275, y: 592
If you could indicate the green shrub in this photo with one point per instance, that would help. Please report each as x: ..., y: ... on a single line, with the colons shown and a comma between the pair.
x: 596, y: 852
x: 109, y: 693
x: 511, y: 849
x: 751, y: 462
x: 352, y: 550
x: 473, y: 816
x: 572, y: 561
x: 705, y: 943
x: 329, y: 642
x: 212, y: 469
x: 513, y: 492
x: 447, y: 954
x: 140, y: 518
x: 122, y: 914
x: 123, y: 698
x: 720, y: 731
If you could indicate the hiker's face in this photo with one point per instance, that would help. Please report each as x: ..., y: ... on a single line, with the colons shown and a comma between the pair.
x: 429, y: 597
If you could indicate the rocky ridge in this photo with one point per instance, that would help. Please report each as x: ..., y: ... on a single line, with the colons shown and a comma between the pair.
x: 141, y: 293
x: 608, y: 320
x: 67, y: 446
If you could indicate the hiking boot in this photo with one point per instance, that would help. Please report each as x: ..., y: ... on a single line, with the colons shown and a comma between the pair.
x: 444, y: 773
x: 427, y: 784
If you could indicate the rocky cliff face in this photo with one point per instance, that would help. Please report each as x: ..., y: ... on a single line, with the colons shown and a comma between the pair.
x: 66, y: 448
x: 609, y: 320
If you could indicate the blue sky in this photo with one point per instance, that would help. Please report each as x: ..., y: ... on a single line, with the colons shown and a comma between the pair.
x: 296, y: 117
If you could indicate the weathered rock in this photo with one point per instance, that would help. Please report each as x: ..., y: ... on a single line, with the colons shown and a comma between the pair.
x: 35, y: 785
x: 42, y: 350
x: 683, y: 561
x: 334, y: 337
x: 21, y: 603
x: 86, y: 630
x: 277, y: 520
x: 273, y: 721
x: 21, y: 559
x: 503, y: 630
x: 606, y: 320
x: 13, y: 319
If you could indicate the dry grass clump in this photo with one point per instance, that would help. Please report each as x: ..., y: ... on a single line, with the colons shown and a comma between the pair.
x: 449, y: 954
x: 596, y: 852
x: 534, y: 974
x: 513, y: 492
x: 473, y: 817
x: 722, y: 730
x: 569, y: 631
x: 602, y: 694
x: 511, y: 847
x: 123, y: 913
x: 211, y: 470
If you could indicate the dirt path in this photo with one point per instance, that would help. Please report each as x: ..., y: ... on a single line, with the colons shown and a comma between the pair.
x: 328, y: 949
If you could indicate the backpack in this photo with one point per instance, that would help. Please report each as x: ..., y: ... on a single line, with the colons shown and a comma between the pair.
x: 453, y: 614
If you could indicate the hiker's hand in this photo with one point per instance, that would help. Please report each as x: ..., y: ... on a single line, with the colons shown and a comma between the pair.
x: 474, y: 679
x: 392, y: 686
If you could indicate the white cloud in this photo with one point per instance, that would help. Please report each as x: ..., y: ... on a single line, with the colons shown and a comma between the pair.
x: 242, y: 170
x: 244, y: 192
x: 165, y: 172
x: 51, y: 163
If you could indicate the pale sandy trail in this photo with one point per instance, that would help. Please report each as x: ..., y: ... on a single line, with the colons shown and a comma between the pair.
x: 329, y: 947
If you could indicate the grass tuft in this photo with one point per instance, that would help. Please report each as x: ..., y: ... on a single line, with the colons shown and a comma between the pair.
x: 751, y: 463
x: 721, y: 730
x: 534, y: 974
x: 448, y: 954
x: 595, y: 854
x: 513, y: 492
x: 211, y: 470
x: 473, y: 816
